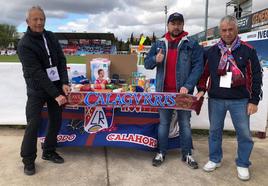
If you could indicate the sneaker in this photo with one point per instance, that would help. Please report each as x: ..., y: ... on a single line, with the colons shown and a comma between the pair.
x: 158, y: 159
x: 53, y: 156
x: 243, y: 173
x: 211, y: 166
x: 189, y: 160
x: 29, y: 169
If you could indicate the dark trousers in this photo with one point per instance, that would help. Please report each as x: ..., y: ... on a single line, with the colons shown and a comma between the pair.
x: 34, y: 106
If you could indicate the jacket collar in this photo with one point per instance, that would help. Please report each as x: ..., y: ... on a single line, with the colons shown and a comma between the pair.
x: 35, y: 34
x: 184, y: 40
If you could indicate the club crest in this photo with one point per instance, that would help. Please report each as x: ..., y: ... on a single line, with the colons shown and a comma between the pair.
x: 98, y: 119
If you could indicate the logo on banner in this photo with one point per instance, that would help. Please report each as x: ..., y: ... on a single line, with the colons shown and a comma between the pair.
x: 61, y: 138
x: 93, y: 99
x: 133, y: 138
x: 98, y: 119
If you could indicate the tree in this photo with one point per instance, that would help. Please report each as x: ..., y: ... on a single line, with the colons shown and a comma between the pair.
x: 8, y: 35
x: 136, y: 41
x: 154, y: 38
x: 120, y: 45
x: 147, y: 41
x: 116, y: 42
x: 126, y: 47
x: 131, y: 39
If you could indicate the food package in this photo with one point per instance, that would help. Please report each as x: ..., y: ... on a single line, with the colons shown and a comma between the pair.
x: 98, y: 64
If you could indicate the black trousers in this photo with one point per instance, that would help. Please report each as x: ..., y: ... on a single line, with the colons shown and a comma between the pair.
x: 34, y: 106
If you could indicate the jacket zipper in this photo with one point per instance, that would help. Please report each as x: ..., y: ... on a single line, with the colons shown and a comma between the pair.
x: 178, y: 48
x: 166, y: 44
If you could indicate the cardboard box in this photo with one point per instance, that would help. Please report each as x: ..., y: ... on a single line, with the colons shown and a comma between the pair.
x: 123, y: 65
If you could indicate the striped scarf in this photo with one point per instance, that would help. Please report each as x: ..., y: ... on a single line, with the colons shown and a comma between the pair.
x: 228, y: 63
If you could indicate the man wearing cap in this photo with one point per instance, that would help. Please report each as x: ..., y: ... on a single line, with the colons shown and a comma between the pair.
x: 179, y: 63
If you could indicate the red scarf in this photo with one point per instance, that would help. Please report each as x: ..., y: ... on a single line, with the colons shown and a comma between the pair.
x: 170, y: 78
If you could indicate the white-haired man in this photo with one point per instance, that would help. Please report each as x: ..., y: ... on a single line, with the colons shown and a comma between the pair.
x: 45, y: 73
x: 235, y: 86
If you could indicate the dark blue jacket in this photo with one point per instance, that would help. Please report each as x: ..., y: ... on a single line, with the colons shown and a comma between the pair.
x: 247, y: 61
x: 35, y: 60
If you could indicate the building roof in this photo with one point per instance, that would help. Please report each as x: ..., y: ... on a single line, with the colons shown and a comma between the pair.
x: 77, y: 35
x: 82, y: 35
x: 235, y: 2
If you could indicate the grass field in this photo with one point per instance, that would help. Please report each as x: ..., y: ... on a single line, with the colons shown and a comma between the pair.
x: 70, y: 59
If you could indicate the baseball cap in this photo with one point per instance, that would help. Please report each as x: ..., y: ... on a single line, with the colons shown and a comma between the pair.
x: 175, y: 16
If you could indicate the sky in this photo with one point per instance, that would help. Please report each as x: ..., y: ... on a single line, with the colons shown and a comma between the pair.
x: 121, y: 17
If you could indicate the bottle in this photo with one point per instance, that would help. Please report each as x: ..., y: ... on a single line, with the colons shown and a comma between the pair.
x: 141, y: 81
x: 152, y: 85
x: 139, y: 59
x: 69, y: 73
x: 134, y: 79
x: 142, y: 59
x: 147, y: 85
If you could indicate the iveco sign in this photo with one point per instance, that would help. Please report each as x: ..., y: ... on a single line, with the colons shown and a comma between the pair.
x: 263, y: 34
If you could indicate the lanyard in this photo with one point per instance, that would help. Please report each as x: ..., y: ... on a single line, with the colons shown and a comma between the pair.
x: 49, y: 57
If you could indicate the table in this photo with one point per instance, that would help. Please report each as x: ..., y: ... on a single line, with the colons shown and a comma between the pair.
x: 118, y: 119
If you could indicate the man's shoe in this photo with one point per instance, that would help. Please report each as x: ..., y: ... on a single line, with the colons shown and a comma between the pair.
x: 211, y: 166
x: 53, y: 156
x: 158, y: 159
x: 29, y: 169
x: 243, y: 173
x: 189, y: 160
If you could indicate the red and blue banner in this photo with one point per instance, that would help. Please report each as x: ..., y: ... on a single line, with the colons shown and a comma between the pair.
x: 117, y: 119
x: 100, y: 126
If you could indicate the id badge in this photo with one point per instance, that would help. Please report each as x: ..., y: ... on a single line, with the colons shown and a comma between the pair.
x: 226, y: 81
x: 53, y: 74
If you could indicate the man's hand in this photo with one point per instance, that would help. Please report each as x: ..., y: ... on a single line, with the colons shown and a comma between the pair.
x: 183, y: 90
x: 61, y: 100
x: 252, y: 108
x: 159, y: 56
x: 200, y: 94
x: 66, y: 89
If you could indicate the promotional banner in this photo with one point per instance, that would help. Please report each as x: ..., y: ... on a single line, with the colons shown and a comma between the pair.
x: 138, y: 100
x: 104, y: 126
x: 260, y: 18
x: 244, y: 23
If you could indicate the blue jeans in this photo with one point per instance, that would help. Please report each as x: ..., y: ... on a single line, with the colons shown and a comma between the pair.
x: 184, y: 132
x: 217, y: 109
